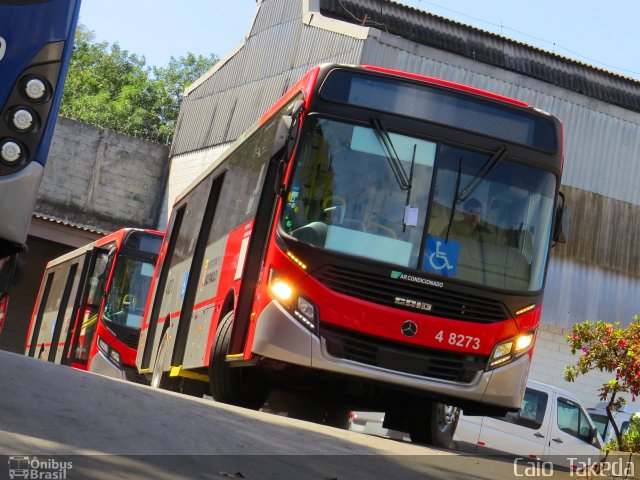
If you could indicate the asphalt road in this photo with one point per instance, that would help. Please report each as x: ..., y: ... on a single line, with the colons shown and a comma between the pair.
x: 58, y: 420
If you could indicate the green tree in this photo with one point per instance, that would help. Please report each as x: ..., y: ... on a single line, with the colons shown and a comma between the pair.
x: 608, y: 348
x: 114, y: 89
x: 173, y: 79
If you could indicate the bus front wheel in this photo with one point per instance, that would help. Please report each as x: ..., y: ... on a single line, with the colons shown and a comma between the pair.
x: 434, y: 424
x: 241, y: 386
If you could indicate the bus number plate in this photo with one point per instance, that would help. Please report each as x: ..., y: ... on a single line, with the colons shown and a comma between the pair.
x: 459, y: 340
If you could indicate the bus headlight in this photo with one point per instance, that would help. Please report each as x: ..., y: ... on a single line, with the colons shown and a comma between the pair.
x: 115, y: 357
x: 35, y: 89
x: 102, y: 345
x: 306, y: 308
x: 523, y: 342
x: 509, y: 350
x: 109, y: 352
x: 10, y: 151
x: 22, y: 119
x: 281, y: 290
x: 301, y: 308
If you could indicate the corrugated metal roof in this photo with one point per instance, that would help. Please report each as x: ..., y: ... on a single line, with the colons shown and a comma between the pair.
x: 67, y: 223
x: 435, y: 31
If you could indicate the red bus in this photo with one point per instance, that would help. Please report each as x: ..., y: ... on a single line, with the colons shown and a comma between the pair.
x: 378, y: 238
x: 90, y: 304
x: 8, y: 274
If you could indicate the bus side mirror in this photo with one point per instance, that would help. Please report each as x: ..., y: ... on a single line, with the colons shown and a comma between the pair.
x: 561, y: 223
x: 287, y: 133
x: 282, y: 136
x: 283, y: 144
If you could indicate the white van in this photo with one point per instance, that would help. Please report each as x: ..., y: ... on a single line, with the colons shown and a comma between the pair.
x: 551, y: 425
x: 622, y: 418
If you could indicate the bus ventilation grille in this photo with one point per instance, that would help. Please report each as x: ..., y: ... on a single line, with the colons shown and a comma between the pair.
x: 384, y: 290
x: 127, y: 335
x: 425, y: 362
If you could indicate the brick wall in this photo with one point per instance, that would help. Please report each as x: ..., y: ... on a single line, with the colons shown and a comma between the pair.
x: 552, y: 354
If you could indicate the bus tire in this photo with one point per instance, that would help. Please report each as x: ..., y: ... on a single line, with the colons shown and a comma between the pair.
x: 194, y: 388
x: 337, y: 416
x: 239, y: 386
x: 434, y: 424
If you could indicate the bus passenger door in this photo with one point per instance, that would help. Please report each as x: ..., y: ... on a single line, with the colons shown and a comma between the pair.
x: 273, y: 153
x: 65, y: 312
x: 88, y: 314
x: 52, y: 313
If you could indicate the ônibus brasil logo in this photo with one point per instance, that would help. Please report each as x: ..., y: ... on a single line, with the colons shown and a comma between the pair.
x: 412, y: 278
x: 28, y: 467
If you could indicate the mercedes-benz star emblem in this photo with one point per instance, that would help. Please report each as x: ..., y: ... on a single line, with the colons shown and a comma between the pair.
x: 409, y: 328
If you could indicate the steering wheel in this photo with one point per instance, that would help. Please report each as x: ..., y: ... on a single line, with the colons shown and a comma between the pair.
x: 129, y: 302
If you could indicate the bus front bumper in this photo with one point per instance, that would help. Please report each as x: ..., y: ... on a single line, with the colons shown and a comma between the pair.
x: 280, y: 336
x: 18, y: 194
x: 101, y: 365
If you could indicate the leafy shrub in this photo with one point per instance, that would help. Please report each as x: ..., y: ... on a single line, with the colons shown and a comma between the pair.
x: 630, y: 440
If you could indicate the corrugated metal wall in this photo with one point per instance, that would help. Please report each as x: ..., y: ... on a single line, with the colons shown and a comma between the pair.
x: 579, y: 291
x: 279, y: 50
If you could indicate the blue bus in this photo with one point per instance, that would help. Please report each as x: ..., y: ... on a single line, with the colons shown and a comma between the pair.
x: 36, y: 39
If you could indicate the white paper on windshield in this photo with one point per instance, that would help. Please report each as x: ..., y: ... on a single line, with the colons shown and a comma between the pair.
x: 411, y: 216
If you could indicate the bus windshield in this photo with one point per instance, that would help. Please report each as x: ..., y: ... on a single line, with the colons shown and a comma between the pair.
x: 128, y: 291
x: 363, y: 191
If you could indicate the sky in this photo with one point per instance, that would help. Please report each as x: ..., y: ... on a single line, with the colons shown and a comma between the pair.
x: 604, y: 35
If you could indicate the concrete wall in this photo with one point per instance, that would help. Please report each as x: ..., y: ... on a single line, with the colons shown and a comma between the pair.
x: 95, y: 181
x: 102, y: 179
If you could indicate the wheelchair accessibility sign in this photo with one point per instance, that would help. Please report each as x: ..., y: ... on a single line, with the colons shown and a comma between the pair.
x: 441, y: 256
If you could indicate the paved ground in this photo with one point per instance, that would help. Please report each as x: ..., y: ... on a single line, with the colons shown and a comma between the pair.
x: 112, y: 429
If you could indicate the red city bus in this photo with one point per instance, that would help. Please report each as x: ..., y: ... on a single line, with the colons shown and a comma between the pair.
x: 378, y: 238
x: 8, y: 268
x: 90, y: 304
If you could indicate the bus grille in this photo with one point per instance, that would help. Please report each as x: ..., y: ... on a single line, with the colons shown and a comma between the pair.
x: 384, y: 290
x: 425, y: 362
x: 131, y: 339
x: 127, y: 335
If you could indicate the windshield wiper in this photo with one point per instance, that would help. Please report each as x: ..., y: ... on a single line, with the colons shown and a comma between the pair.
x: 483, y: 172
x: 461, y: 196
x: 455, y: 199
x: 404, y: 180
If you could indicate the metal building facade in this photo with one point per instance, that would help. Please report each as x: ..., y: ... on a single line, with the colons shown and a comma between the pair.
x: 594, y: 276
